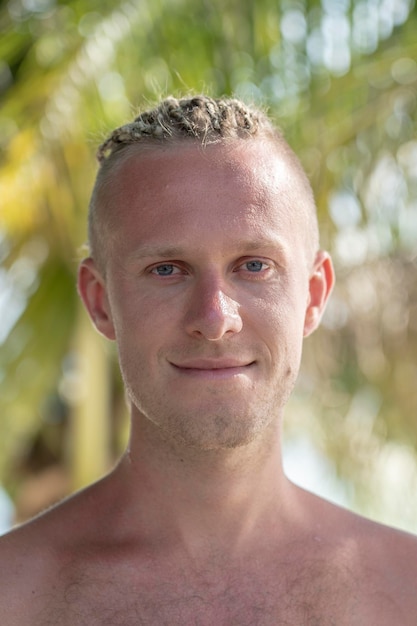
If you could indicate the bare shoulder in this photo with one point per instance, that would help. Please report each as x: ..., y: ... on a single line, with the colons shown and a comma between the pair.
x: 24, y: 554
x: 381, y: 562
x: 388, y: 562
x: 33, y: 556
x: 382, y: 548
x: 391, y: 557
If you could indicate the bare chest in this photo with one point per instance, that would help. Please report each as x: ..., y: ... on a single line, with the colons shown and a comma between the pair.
x: 309, y: 595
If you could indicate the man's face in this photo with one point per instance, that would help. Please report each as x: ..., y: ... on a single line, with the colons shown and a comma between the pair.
x: 207, y: 287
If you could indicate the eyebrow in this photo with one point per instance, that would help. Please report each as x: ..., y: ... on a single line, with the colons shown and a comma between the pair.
x: 149, y: 250
x: 258, y: 244
x: 171, y: 251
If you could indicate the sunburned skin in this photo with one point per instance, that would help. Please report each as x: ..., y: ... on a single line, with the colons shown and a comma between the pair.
x: 102, y: 576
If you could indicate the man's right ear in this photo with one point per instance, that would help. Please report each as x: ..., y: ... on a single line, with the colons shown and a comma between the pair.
x: 92, y: 290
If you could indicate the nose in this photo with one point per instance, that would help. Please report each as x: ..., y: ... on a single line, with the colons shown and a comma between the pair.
x: 212, y: 314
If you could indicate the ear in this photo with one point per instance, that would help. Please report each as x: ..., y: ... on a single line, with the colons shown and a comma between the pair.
x: 92, y: 290
x: 320, y: 286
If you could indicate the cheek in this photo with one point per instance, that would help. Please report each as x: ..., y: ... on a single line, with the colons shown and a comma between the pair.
x: 142, y: 326
x: 280, y: 321
x: 283, y: 307
x: 131, y: 311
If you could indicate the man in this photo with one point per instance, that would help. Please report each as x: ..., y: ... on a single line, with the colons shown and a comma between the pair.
x: 206, y: 271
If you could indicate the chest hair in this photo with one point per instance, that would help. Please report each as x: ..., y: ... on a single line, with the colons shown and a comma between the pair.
x: 306, y: 593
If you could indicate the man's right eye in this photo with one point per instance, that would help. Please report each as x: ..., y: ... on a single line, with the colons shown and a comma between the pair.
x: 167, y: 269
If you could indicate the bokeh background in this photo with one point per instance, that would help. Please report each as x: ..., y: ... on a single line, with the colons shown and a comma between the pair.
x: 340, y: 77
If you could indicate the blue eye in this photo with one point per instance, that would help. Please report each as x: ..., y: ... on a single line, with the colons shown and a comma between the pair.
x: 164, y: 270
x: 254, y: 266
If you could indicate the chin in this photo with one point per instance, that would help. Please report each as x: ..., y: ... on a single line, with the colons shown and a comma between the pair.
x: 215, y: 432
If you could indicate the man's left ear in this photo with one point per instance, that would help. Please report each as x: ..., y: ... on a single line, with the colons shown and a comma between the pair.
x: 320, y: 286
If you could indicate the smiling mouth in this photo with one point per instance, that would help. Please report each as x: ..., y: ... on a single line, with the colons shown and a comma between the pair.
x: 213, y: 369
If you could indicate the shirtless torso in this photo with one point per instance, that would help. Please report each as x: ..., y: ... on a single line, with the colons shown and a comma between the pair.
x: 336, y: 569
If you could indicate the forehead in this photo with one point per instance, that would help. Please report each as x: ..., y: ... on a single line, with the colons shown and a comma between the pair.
x: 247, y: 168
x: 226, y: 188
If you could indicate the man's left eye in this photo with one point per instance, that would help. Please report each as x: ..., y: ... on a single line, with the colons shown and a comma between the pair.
x: 255, y: 265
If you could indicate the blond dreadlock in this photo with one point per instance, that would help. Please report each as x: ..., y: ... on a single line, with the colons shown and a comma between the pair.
x: 200, y: 118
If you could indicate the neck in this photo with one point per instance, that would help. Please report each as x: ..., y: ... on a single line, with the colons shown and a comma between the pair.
x: 230, y: 497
